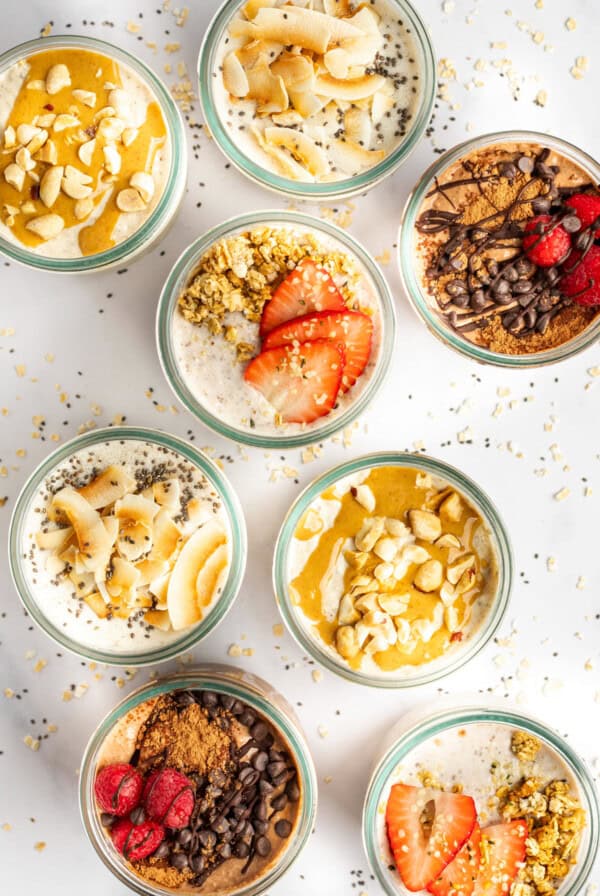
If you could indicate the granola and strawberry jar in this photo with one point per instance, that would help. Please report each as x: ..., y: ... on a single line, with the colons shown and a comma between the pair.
x: 201, y: 782
x: 499, y: 249
x: 275, y: 329
x: 481, y: 802
x: 127, y: 546
x: 93, y: 155
x: 321, y: 100
x: 392, y: 570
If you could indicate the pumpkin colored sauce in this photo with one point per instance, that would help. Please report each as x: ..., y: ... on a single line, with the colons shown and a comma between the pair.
x: 97, y: 74
x: 396, y: 492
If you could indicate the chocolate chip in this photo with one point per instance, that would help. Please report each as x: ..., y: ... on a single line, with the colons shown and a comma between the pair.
x: 275, y: 769
x: 500, y: 288
x: 571, y: 223
x: 263, y: 846
x: 220, y: 826
x: 225, y: 851
x: 454, y: 287
x: 107, y: 819
x: 185, y: 698
x: 293, y: 791
x: 521, y: 287
x: 260, y: 761
x: 197, y: 863
x: 179, y: 860
x: 544, y: 171
x: 508, y: 170
x: 525, y: 165
x: 208, y: 839
x: 543, y: 322
x: 238, y: 708
x: 510, y: 274
x: 525, y: 267
x: 261, y: 827
x: 163, y: 851
x: 227, y: 702
x: 138, y: 816
x: 530, y: 317
x: 478, y: 300
x: 259, y: 731
x: 461, y: 300
x: 247, y: 774
x: 279, y: 802
x: 247, y: 718
x: 541, y: 205
x: 184, y: 837
x: 241, y: 850
x: 265, y: 787
x: 260, y: 810
x: 283, y: 828
x: 209, y: 699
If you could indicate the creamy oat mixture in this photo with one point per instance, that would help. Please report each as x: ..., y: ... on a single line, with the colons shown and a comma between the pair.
x: 319, y: 92
x: 391, y: 569
x: 215, y: 327
x: 126, y: 546
x: 86, y: 153
x: 509, y: 774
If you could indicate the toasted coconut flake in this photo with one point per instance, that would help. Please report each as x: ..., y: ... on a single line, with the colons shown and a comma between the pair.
x: 289, y: 167
x: 234, y: 76
x: 358, y: 126
x: 158, y: 619
x: 184, y: 608
x: 352, y: 158
x: 166, y: 535
x: 306, y: 103
x: 54, y: 540
x: 251, y: 52
x: 159, y: 588
x: 208, y: 577
x: 135, y: 540
x: 350, y: 89
x: 267, y: 89
x: 367, y: 20
x: 339, y: 8
x: 96, y: 604
x: 150, y: 571
x: 92, y: 537
x: 296, y: 71
x: 381, y: 104
x: 337, y: 62
x: 111, y: 524
x: 302, y: 27
x: 124, y: 579
x: 167, y: 494
x: 83, y: 583
x: 287, y: 119
x: 251, y: 8
x: 110, y: 485
x: 301, y: 147
x: 136, y: 509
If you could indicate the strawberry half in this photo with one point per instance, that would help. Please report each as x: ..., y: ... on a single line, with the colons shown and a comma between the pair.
x: 426, y: 828
x: 300, y: 381
x: 460, y: 875
x: 503, y: 851
x: 307, y: 288
x: 350, y: 330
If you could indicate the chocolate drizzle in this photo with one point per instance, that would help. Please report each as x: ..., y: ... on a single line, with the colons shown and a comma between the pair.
x: 525, y: 296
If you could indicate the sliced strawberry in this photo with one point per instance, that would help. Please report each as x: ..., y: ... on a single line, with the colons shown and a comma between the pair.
x: 307, y: 288
x: 503, y: 851
x: 460, y: 875
x: 300, y: 381
x: 426, y: 828
x: 350, y: 329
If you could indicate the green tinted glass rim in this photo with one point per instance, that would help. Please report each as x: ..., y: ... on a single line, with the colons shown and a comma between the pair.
x: 463, y: 484
x: 231, y: 505
x: 221, y: 679
x: 174, y: 187
x: 286, y: 186
x: 176, y: 281
x: 439, y: 723
x: 406, y: 254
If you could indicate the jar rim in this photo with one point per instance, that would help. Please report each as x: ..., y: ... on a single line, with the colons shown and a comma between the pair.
x: 318, y: 191
x: 181, y: 271
x: 153, y: 227
x: 418, y: 300
x: 466, y: 486
x: 244, y: 686
x: 231, y: 505
x: 434, y: 724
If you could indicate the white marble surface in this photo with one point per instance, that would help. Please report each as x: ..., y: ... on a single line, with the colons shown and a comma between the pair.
x: 548, y: 655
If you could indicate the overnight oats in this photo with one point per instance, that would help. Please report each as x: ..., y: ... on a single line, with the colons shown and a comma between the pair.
x: 123, y: 546
x: 275, y: 331
x: 89, y: 139
x: 322, y: 99
x: 500, y: 249
x: 196, y: 789
x: 486, y: 804
x: 390, y: 571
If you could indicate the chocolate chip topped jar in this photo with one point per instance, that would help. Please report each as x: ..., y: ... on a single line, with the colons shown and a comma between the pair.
x: 498, y: 249
x: 200, y: 782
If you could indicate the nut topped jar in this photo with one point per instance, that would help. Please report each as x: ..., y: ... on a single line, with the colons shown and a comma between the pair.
x: 94, y: 155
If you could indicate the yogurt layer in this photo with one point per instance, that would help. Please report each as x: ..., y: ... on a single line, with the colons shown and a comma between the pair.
x: 330, y: 107
x: 212, y: 365
x: 87, y: 153
x: 357, y: 569
x: 91, y: 613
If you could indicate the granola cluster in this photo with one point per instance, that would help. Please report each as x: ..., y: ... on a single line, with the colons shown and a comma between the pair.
x: 239, y: 274
x: 555, y: 821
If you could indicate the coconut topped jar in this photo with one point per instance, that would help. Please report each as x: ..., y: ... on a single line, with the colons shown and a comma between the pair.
x: 94, y: 155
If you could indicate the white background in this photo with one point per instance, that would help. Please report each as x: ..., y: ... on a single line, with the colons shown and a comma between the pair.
x: 548, y: 655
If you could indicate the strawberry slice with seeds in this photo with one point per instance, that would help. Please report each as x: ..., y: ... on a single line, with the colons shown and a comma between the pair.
x: 307, y: 288
x: 458, y: 878
x: 426, y: 828
x: 350, y: 330
x: 300, y: 381
x: 502, y: 852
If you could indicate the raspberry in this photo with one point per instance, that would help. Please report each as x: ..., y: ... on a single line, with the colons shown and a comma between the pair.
x: 118, y: 788
x: 169, y: 798
x: 545, y: 251
x: 583, y: 283
x: 137, y: 841
x: 587, y: 208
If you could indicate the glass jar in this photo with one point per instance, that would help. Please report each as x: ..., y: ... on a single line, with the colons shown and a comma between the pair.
x: 243, y: 686
x: 163, y: 213
x: 412, y: 675
x: 24, y: 581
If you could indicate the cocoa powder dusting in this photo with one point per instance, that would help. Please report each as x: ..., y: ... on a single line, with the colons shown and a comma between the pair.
x: 161, y: 874
x: 183, y: 738
x: 566, y: 325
